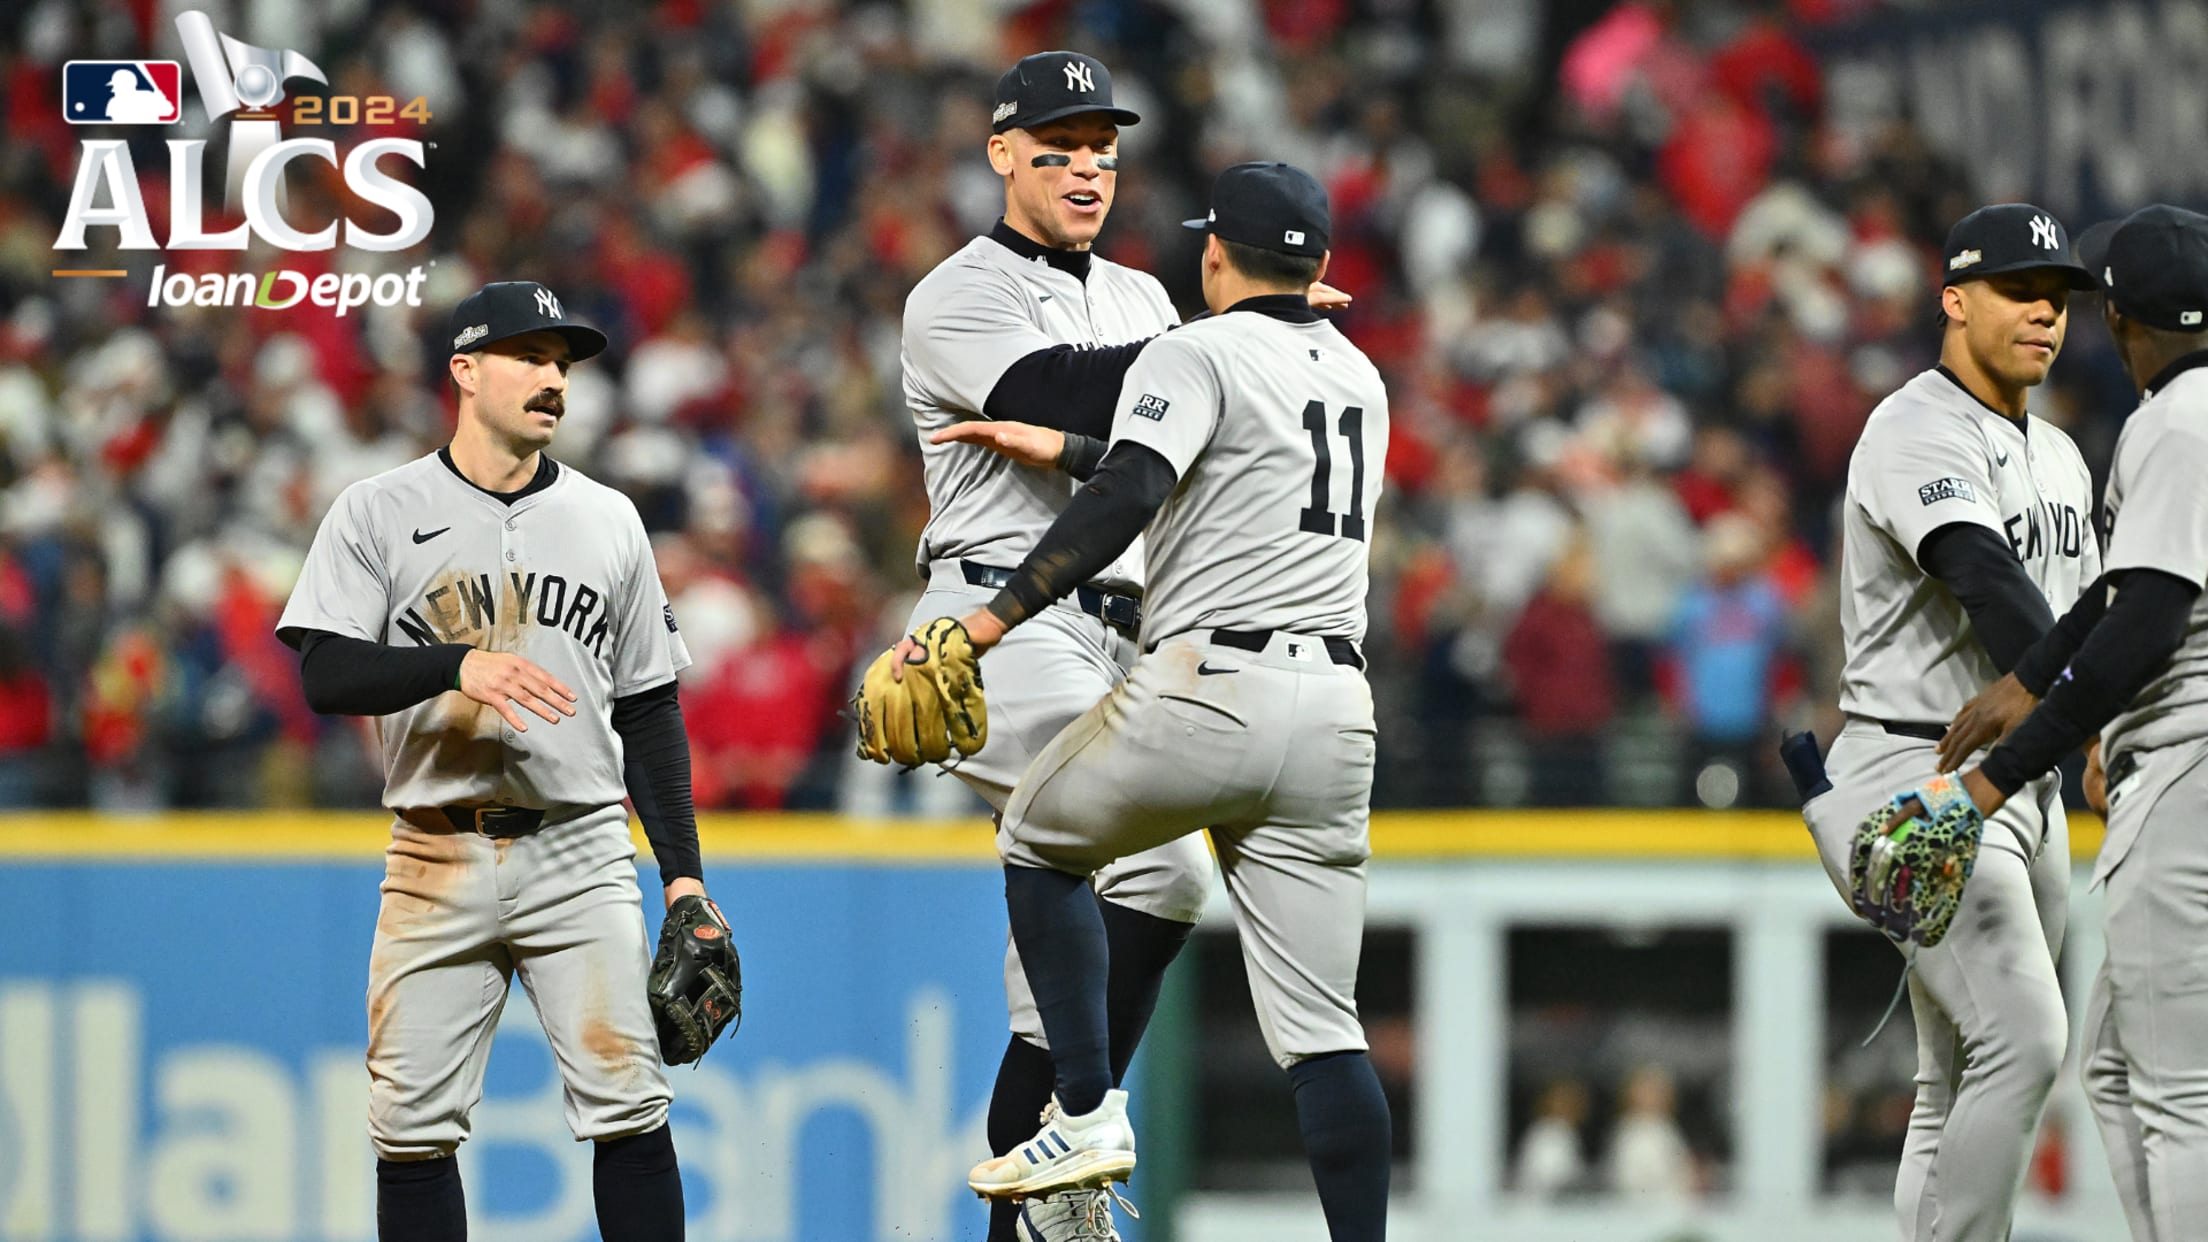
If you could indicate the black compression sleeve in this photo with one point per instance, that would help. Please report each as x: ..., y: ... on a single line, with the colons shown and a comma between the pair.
x: 2133, y: 642
x: 1099, y: 524
x: 1066, y: 387
x: 354, y: 677
x: 2007, y: 612
x: 2039, y: 667
x: 655, y: 767
x: 1082, y: 455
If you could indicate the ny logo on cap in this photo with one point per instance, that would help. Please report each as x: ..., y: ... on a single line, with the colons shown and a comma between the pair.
x: 2043, y: 232
x: 1078, y: 77
x: 547, y: 305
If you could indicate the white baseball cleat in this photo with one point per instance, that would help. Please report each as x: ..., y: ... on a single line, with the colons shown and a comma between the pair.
x: 1068, y: 1153
x: 1071, y: 1216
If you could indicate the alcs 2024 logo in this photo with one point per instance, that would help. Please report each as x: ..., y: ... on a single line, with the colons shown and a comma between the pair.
x: 245, y: 85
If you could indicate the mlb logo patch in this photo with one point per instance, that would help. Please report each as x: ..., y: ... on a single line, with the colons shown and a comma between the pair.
x: 122, y: 92
x: 1150, y: 407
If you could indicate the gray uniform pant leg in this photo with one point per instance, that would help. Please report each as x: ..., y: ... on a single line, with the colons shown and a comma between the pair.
x: 1036, y: 682
x: 2107, y: 1075
x: 1991, y: 1028
x: 1275, y: 758
x: 2157, y: 972
x: 460, y: 913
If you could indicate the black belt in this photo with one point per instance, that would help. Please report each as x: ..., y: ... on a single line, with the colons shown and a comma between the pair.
x: 1339, y: 650
x: 1121, y: 612
x: 1909, y: 728
x: 494, y: 821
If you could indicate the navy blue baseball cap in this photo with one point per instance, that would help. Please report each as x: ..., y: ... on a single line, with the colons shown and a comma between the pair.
x: 510, y: 308
x: 2153, y: 266
x: 1050, y: 85
x: 2009, y: 237
x: 1271, y: 206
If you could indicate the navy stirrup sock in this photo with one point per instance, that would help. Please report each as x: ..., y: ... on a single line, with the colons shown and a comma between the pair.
x: 1344, y: 1120
x: 420, y: 1201
x: 1060, y: 933
x: 638, y: 1188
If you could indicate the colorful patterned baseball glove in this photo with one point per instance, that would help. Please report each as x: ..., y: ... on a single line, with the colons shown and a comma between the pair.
x: 1910, y: 862
x: 696, y: 987
x: 936, y: 708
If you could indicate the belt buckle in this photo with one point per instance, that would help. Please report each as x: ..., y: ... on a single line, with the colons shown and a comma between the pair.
x: 488, y: 819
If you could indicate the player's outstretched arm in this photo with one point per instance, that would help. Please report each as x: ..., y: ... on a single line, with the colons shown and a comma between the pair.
x: 2134, y: 642
x: 1025, y: 443
x: 2002, y: 706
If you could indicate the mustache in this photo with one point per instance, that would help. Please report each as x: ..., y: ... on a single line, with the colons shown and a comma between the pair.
x: 551, y: 402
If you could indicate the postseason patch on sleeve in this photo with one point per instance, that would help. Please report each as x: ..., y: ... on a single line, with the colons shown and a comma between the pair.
x: 1150, y: 407
x: 1947, y: 489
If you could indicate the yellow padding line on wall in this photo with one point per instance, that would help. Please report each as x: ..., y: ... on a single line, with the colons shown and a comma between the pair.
x: 1397, y: 836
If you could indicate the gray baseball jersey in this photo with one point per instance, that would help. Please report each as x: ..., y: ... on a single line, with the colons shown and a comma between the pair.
x: 1277, y: 427
x: 2144, y: 1056
x: 1931, y: 455
x: 563, y: 577
x: 2157, y: 514
x: 966, y: 322
x: 1278, y: 431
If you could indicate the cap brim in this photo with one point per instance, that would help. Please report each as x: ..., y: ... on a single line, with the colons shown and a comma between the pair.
x: 2080, y: 278
x: 582, y: 341
x: 2092, y: 248
x: 1119, y: 116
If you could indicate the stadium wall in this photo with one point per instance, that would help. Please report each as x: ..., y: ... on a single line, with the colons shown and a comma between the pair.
x: 181, y: 1026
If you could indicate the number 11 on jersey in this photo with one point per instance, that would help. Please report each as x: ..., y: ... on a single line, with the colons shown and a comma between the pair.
x: 1319, y: 518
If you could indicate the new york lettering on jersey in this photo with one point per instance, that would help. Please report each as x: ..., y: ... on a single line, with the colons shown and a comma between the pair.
x: 467, y: 607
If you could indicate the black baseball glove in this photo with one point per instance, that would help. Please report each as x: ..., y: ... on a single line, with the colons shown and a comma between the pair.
x: 697, y: 982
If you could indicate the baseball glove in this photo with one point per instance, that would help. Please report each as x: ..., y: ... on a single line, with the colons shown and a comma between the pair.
x: 1907, y: 870
x: 696, y: 986
x: 937, y: 706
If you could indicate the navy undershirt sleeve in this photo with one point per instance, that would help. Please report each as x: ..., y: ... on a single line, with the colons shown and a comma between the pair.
x: 2007, y: 611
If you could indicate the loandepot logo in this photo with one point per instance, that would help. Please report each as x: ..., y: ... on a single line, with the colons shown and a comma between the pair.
x: 245, y: 86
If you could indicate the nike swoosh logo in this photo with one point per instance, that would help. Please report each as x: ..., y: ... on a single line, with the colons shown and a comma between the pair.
x: 419, y: 537
x: 1043, y: 297
x: 1204, y: 669
x: 2001, y: 460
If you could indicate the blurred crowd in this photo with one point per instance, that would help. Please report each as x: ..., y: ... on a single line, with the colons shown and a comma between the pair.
x: 1633, y: 296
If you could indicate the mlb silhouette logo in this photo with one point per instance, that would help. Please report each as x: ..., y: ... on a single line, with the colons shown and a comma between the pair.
x: 122, y: 92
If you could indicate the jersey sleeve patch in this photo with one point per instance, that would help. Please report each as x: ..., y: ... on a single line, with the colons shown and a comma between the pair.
x: 1947, y: 489
x: 1151, y: 407
x: 667, y: 613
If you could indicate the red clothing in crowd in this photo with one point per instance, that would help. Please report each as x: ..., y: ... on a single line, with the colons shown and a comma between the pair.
x: 1561, y: 667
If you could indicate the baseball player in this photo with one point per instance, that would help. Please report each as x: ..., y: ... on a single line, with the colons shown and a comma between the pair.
x: 1966, y: 524
x: 1026, y: 323
x: 502, y: 617
x: 1250, y: 445
x: 2126, y: 664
